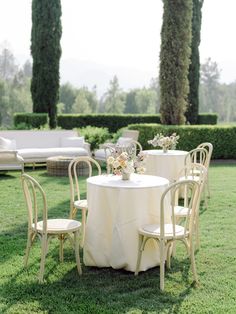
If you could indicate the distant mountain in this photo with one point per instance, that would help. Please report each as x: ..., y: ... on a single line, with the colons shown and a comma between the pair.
x: 84, y: 73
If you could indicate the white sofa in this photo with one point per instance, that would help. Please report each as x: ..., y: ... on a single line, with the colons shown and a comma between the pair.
x: 36, y: 146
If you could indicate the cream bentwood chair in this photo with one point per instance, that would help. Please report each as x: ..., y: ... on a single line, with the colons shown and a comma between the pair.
x: 165, y: 234
x: 209, y: 148
x: 46, y: 228
x: 198, y: 173
x: 75, y: 200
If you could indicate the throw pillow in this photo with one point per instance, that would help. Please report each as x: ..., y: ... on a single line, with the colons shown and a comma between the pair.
x: 7, y: 144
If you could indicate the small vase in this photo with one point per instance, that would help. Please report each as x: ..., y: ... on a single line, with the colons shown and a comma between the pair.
x: 125, y: 176
x: 165, y: 150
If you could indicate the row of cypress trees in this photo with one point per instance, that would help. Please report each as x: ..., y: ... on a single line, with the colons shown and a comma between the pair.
x: 179, y: 59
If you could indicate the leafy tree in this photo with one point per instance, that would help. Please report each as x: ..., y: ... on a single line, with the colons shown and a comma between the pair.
x: 194, y: 67
x: 146, y: 100
x: 130, y: 102
x: 81, y: 104
x: 210, y: 96
x: 67, y: 97
x: 8, y: 68
x: 113, y: 100
x: 175, y: 59
x: 27, y: 69
x: 46, y: 52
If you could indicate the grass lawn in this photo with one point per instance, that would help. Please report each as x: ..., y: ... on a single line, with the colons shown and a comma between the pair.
x: 117, y: 291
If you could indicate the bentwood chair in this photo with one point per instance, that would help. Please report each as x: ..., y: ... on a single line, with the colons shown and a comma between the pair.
x: 198, y: 173
x: 209, y: 148
x: 76, y: 202
x: 166, y: 233
x: 46, y: 228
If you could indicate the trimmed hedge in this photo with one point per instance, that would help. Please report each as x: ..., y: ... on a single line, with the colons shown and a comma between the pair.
x: 207, y: 118
x: 30, y: 120
x: 223, y: 138
x: 115, y: 122
x: 111, y: 121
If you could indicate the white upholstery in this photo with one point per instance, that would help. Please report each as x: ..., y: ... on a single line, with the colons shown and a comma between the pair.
x: 124, y: 141
x: 72, y: 141
x: 7, y: 144
x: 41, y: 154
x: 37, y: 146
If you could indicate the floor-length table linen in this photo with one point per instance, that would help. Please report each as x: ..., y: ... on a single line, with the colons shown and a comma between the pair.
x: 167, y: 165
x: 116, y: 209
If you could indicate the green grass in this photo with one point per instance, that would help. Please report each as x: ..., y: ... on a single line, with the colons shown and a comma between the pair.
x: 117, y: 291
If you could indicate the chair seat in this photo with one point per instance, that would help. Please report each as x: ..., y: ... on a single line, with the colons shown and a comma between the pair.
x: 81, y: 204
x: 181, y: 211
x: 194, y: 176
x: 154, y: 231
x: 58, y: 226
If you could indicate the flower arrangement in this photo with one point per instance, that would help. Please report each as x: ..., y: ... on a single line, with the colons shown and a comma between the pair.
x: 125, y: 164
x: 166, y: 142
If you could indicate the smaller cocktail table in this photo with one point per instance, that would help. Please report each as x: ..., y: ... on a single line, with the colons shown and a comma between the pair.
x: 58, y: 166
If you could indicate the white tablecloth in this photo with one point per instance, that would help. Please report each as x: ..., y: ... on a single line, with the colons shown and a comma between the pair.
x: 116, y: 209
x: 167, y: 165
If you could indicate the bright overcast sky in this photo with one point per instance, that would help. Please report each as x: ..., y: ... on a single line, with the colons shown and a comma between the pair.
x: 122, y: 32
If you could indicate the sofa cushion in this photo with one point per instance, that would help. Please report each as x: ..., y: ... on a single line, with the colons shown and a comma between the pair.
x: 73, y: 141
x: 7, y: 144
x: 44, y: 153
x: 124, y: 141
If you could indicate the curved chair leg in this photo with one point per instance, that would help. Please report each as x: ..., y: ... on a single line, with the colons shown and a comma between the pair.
x: 162, y: 264
x: 77, y: 257
x: 43, y: 257
x: 197, y: 232
x: 140, y: 251
x: 30, y: 241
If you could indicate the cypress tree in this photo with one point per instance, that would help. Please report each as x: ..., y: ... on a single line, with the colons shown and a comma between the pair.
x: 194, y: 67
x: 175, y: 59
x: 46, y: 52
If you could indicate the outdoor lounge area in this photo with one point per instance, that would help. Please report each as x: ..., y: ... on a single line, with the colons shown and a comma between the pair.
x: 108, y: 290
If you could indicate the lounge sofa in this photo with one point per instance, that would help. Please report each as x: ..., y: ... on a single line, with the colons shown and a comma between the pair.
x: 37, y: 146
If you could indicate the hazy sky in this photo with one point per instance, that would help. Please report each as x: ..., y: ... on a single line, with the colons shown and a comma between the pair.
x: 122, y: 32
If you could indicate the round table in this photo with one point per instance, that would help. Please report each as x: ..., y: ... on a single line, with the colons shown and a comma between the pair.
x: 167, y: 165
x: 116, y: 210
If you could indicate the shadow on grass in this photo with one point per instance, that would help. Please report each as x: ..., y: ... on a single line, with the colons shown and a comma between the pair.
x: 98, y: 290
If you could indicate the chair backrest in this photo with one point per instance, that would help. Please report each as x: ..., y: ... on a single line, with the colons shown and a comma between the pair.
x: 35, y: 201
x: 169, y: 196
x: 209, y: 148
x: 134, y: 134
x: 74, y: 176
x: 196, y: 172
x: 196, y: 155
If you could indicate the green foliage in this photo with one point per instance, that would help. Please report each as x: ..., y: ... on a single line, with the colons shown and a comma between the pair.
x: 207, y: 118
x: 67, y: 96
x: 194, y: 67
x: 94, y: 135
x: 30, y: 120
x: 175, y: 59
x: 46, y: 53
x: 223, y: 138
x: 111, y: 121
x: 113, y: 101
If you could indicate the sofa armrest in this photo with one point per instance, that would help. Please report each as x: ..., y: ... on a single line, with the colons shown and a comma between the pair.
x: 87, y: 147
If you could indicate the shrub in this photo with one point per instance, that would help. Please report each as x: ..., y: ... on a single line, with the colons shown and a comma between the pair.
x: 223, y: 138
x: 31, y: 120
x: 94, y: 135
x: 115, y: 122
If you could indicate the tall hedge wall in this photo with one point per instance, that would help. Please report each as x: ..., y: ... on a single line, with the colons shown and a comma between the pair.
x: 114, y: 121
x: 223, y: 138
